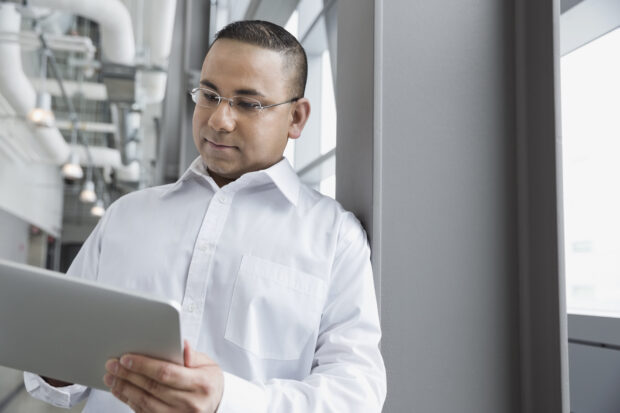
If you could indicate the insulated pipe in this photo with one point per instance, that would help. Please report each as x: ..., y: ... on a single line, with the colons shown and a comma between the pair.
x: 157, y: 30
x: 19, y: 135
x: 158, y: 27
x: 101, y: 156
x: 18, y: 91
x: 90, y: 90
x: 117, y: 37
x: 129, y: 173
x: 151, y: 86
x: 107, y: 157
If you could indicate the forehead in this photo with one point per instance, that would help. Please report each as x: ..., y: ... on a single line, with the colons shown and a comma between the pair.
x: 233, y: 65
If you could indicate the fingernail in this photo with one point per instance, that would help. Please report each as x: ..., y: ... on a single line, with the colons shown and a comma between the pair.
x: 109, y: 380
x: 112, y: 366
x: 126, y: 361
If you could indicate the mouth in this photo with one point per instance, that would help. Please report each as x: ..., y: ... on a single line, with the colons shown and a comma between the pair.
x: 218, y: 146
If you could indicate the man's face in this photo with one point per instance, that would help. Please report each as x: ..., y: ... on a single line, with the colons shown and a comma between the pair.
x: 232, y: 142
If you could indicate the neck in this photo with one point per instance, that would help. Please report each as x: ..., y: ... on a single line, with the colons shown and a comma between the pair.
x: 222, y: 181
x: 219, y: 180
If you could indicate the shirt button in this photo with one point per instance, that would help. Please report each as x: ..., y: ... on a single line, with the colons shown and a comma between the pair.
x: 191, y: 307
x: 223, y: 199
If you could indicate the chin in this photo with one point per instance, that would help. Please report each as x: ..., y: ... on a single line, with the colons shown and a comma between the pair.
x: 222, y: 170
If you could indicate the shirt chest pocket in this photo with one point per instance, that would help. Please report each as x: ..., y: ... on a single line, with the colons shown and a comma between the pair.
x: 274, y: 309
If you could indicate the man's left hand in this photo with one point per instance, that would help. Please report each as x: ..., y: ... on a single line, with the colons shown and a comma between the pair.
x: 151, y: 385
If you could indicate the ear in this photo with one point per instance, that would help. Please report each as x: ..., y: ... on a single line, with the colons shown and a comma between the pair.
x: 298, y: 117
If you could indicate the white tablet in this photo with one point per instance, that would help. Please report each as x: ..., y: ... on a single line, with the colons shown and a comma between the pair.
x: 66, y: 328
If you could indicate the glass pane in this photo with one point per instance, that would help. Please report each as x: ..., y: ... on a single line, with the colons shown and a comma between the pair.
x: 308, y: 12
x: 328, y: 106
x: 292, y: 26
x: 590, y: 85
x: 328, y: 186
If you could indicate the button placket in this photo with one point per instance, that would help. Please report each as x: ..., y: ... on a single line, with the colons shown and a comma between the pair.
x: 204, y: 246
x: 200, y: 267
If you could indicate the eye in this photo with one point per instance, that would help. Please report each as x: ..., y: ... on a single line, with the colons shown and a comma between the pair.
x: 210, y: 96
x: 248, y: 104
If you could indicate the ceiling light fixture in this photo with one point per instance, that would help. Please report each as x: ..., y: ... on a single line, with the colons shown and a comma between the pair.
x: 42, y: 114
x: 72, y: 169
x: 98, y: 209
x: 88, y: 195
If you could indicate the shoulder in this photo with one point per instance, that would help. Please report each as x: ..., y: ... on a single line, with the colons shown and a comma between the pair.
x: 143, y: 195
x: 315, y: 205
x: 138, y: 200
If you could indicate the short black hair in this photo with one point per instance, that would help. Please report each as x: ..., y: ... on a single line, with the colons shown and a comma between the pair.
x: 273, y: 37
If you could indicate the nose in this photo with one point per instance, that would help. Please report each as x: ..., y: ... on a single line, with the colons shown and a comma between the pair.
x: 222, y: 118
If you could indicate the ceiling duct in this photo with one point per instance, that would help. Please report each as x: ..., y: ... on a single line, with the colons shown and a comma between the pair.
x: 120, y: 82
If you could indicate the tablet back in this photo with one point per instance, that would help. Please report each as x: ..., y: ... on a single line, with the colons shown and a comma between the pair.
x: 67, y: 329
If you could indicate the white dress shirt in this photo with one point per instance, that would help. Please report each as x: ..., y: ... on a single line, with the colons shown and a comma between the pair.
x: 275, y: 284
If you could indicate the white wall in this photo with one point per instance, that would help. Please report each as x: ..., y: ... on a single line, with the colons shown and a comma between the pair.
x: 34, y: 193
x: 13, y: 238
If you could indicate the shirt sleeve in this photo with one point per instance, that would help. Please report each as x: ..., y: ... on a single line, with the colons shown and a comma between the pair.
x: 85, y: 266
x: 348, y: 373
x: 65, y: 397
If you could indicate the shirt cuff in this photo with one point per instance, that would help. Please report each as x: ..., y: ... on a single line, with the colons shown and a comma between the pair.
x: 65, y: 397
x: 242, y: 396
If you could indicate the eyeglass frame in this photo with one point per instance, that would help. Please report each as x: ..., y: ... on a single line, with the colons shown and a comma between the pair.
x: 193, y: 93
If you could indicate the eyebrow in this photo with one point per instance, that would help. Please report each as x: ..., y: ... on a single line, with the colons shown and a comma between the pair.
x: 248, y: 92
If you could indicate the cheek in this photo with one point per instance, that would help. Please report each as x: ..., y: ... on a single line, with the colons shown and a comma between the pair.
x: 195, y: 125
x: 199, y: 120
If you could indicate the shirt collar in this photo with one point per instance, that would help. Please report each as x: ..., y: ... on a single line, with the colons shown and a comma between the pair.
x: 195, y: 168
x: 284, y: 176
x: 281, y: 174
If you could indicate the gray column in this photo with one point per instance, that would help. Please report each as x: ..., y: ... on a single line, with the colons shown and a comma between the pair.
x: 544, y: 341
x: 190, y: 42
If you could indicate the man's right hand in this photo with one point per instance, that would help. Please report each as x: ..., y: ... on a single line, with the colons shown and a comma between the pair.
x: 56, y: 383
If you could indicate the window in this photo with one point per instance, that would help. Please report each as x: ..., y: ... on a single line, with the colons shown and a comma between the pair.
x: 313, y: 155
x: 590, y: 87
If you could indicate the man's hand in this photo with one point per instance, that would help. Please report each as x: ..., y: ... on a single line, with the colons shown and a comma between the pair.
x: 151, y: 385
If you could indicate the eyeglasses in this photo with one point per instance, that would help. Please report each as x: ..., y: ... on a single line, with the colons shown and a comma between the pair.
x: 208, y: 98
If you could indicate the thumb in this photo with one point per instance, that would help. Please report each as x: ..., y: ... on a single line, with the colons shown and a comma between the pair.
x: 193, y: 358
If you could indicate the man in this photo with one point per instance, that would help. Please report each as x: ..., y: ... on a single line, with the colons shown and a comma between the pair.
x: 279, y: 310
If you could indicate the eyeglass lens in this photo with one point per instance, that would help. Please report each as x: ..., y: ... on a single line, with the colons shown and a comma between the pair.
x: 210, y: 99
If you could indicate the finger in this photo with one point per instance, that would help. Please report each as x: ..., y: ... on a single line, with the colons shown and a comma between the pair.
x: 138, y: 399
x: 187, y: 354
x: 166, y: 373
x: 193, y: 359
x: 168, y: 395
